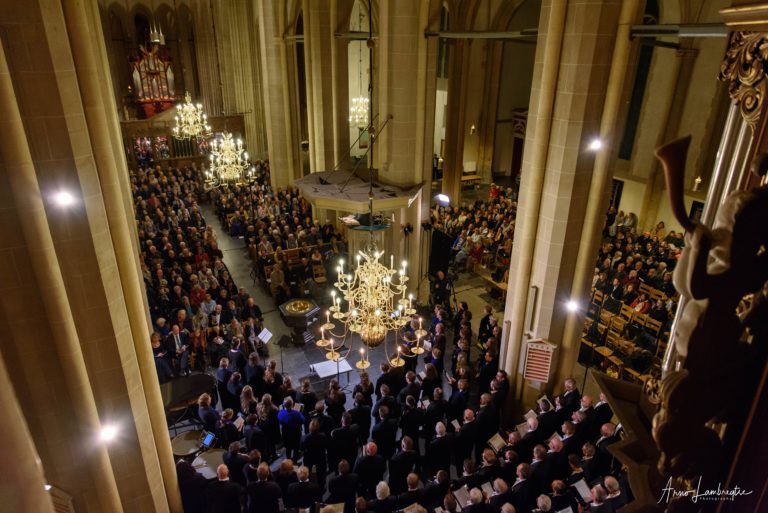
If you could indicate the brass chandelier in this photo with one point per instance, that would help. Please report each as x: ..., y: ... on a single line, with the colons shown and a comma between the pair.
x: 370, y: 300
x: 191, y: 121
x: 229, y: 161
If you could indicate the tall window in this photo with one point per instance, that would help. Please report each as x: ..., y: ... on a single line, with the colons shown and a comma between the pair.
x: 442, y: 50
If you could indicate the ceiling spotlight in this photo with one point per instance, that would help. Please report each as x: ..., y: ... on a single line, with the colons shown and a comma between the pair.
x: 595, y: 144
x: 108, y: 433
x: 571, y: 306
x: 63, y: 198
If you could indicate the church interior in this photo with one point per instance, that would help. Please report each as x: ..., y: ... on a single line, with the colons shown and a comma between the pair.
x: 351, y: 256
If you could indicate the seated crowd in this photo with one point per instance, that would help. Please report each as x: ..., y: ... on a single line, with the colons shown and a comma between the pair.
x: 287, y: 247
x: 196, y: 308
x: 482, y: 232
x: 417, y: 438
x: 633, y: 297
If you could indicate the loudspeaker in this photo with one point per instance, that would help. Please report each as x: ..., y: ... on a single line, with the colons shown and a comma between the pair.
x: 440, y: 256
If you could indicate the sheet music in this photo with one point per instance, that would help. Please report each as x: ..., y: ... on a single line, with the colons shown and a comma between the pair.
x: 566, y: 510
x: 455, y: 424
x: 488, y: 489
x: 522, y: 428
x: 462, y: 496
x: 265, y: 335
x: 496, y: 442
x: 239, y: 421
x: 583, y: 490
x: 546, y: 400
x: 530, y: 414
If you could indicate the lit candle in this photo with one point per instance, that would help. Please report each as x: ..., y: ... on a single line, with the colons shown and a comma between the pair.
x: 327, y: 317
x: 420, y: 322
x: 410, y: 297
x: 341, y: 266
x: 391, y: 261
x: 358, y: 260
x: 322, y: 333
x: 362, y: 355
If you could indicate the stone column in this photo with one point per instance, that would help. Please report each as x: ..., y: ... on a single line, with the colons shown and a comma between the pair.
x: 684, y: 61
x: 566, y: 109
x: 403, y: 150
x: 454, y: 120
x: 24, y: 485
x: 238, y: 60
x: 597, y: 201
x: 282, y: 134
x: 206, y: 51
x: 86, y: 300
x: 319, y: 43
x: 340, y: 11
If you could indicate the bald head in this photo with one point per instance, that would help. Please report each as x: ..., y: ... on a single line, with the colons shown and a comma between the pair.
x: 222, y: 472
x: 371, y: 449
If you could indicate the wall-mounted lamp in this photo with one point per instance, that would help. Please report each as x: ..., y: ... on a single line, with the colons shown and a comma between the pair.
x: 473, y: 129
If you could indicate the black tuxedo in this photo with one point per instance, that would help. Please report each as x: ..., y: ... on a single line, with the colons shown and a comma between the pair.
x: 603, y: 413
x: 235, y: 463
x: 361, y: 417
x: 540, y: 476
x: 263, y: 497
x: 570, y: 446
x: 571, y: 401
x: 413, y: 389
x: 401, y: 464
x: 389, y: 402
x: 433, y: 494
x: 456, y: 405
x: 558, y: 465
x: 548, y: 424
x: 344, y: 444
x: 382, y: 506
x: 487, y: 420
x: 314, y: 446
x: 464, y: 442
x: 605, y: 507
x: 224, y: 497
x: 370, y: 469
x: 522, y: 495
x: 560, y: 502
x: 590, y: 468
x: 407, y: 498
x: 410, y: 424
x: 303, y: 495
x: 384, y: 434
x: 434, y: 413
x: 343, y: 488
x: 438, y: 455
x: 606, y: 462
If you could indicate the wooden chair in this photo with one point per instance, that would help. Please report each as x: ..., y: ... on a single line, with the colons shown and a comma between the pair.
x: 612, y: 340
x: 631, y: 375
x: 626, y: 313
x: 645, y: 289
x: 652, y: 326
x: 598, y: 297
x: 618, y: 324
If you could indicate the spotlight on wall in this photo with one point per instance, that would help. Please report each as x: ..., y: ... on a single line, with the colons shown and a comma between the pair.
x: 47, y: 487
x: 595, y: 144
x: 571, y: 306
x: 108, y: 433
x: 64, y: 199
x: 443, y: 199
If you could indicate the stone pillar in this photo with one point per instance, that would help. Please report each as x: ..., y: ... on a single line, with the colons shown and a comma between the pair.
x: 282, y: 134
x: 567, y: 101
x: 208, y: 66
x: 319, y: 43
x: 685, y: 58
x: 24, y: 485
x: 238, y: 59
x: 340, y: 11
x: 597, y: 201
x: 454, y: 120
x: 85, y: 299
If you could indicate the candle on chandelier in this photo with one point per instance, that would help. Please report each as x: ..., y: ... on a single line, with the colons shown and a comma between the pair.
x: 362, y: 355
x: 327, y: 317
x: 322, y: 333
x: 391, y: 261
x: 341, y: 266
x: 410, y: 297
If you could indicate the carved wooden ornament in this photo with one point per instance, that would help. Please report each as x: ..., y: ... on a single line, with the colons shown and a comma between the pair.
x: 744, y: 68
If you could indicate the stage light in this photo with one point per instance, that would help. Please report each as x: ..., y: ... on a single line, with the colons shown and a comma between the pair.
x: 108, y: 433
x: 443, y: 199
x: 572, y: 306
x: 595, y: 145
x: 63, y: 199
